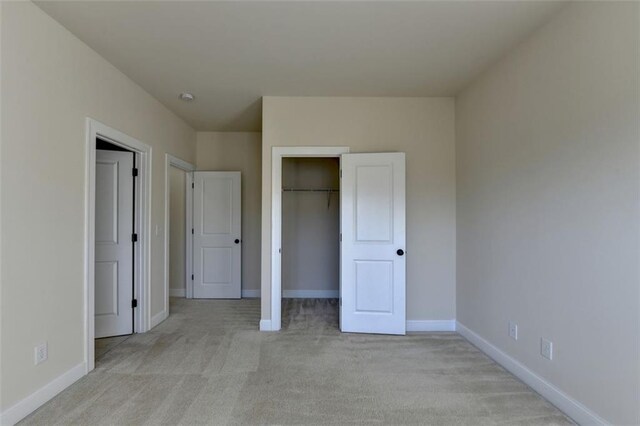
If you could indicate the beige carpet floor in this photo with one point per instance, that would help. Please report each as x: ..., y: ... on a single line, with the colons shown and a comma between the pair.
x: 208, y: 364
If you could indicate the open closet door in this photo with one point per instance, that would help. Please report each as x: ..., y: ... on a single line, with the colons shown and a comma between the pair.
x: 216, y: 235
x: 372, y: 277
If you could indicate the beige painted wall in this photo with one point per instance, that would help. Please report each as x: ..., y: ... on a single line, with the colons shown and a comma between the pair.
x: 177, y: 217
x: 548, y: 209
x: 1, y: 196
x: 421, y: 127
x: 51, y: 82
x: 310, y: 225
x: 232, y: 151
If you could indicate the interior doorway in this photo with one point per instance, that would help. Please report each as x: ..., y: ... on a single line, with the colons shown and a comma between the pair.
x: 123, y: 277
x: 310, y: 241
x: 372, y: 284
x: 279, y: 154
x: 178, y: 237
x: 177, y: 232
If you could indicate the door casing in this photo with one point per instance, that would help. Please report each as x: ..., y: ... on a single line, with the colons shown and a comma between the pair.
x: 142, y: 283
x: 277, y: 154
x: 188, y: 168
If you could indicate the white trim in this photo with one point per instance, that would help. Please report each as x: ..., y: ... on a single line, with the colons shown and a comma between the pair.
x: 179, y: 163
x: 265, y: 325
x: 277, y: 153
x: 31, y: 403
x: 251, y: 294
x: 170, y: 160
x: 310, y: 294
x: 431, y: 325
x: 188, y: 265
x: 158, y: 318
x: 177, y: 292
x: 142, y: 285
x: 574, y: 409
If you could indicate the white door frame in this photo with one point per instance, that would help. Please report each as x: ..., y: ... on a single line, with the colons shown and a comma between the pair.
x: 169, y: 161
x: 142, y: 282
x: 277, y: 154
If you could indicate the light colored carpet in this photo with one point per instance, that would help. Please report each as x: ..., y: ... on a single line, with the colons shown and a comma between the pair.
x: 105, y: 344
x: 208, y: 364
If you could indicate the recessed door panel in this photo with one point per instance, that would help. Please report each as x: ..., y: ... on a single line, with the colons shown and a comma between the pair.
x: 217, y: 265
x: 217, y: 206
x: 107, y: 202
x: 374, y: 286
x: 106, y: 294
x: 217, y: 238
x: 374, y: 203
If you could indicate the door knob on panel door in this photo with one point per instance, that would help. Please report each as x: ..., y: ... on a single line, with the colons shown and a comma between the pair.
x: 237, y: 241
x: 400, y: 252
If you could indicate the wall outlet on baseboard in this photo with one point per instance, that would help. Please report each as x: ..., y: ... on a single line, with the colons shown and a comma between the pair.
x: 41, y: 353
x: 513, y: 330
x: 546, y: 349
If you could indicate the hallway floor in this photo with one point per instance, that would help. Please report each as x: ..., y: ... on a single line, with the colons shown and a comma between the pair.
x: 208, y: 364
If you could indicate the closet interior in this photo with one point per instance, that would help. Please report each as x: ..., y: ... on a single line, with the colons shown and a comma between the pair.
x: 310, y: 239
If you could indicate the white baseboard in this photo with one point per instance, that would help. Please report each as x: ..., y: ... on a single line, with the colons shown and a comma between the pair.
x: 177, y: 292
x: 251, y: 294
x: 574, y: 409
x: 431, y: 325
x: 158, y: 318
x: 28, y: 405
x: 265, y: 325
x: 310, y: 294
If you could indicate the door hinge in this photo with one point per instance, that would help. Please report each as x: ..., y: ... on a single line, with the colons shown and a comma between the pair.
x: 191, y: 277
x: 134, y: 303
x: 134, y: 172
x: 340, y: 173
x: 193, y: 185
x: 341, y: 237
x: 134, y: 238
x: 191, y: 231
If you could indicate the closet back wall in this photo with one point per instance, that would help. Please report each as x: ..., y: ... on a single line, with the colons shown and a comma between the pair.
x: 310, y: 228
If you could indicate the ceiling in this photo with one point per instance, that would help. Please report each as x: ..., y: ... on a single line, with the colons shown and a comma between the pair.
x: 230, y: 54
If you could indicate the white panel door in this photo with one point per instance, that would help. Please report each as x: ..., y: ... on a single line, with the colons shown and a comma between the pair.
x: 217, y: 236
x: 114, y: 246
x: 372, y: 281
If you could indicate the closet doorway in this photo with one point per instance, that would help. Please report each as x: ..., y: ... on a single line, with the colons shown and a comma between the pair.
x: 279, y: 155
x: 372, y: 238
x: 310, y: 241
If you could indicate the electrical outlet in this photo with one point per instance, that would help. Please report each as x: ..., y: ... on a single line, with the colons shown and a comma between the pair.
x: 513, y: 330
x: 41, y: 353
x: 546, y: 349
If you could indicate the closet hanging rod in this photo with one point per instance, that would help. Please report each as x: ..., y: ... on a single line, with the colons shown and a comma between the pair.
x: 309, y: 190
